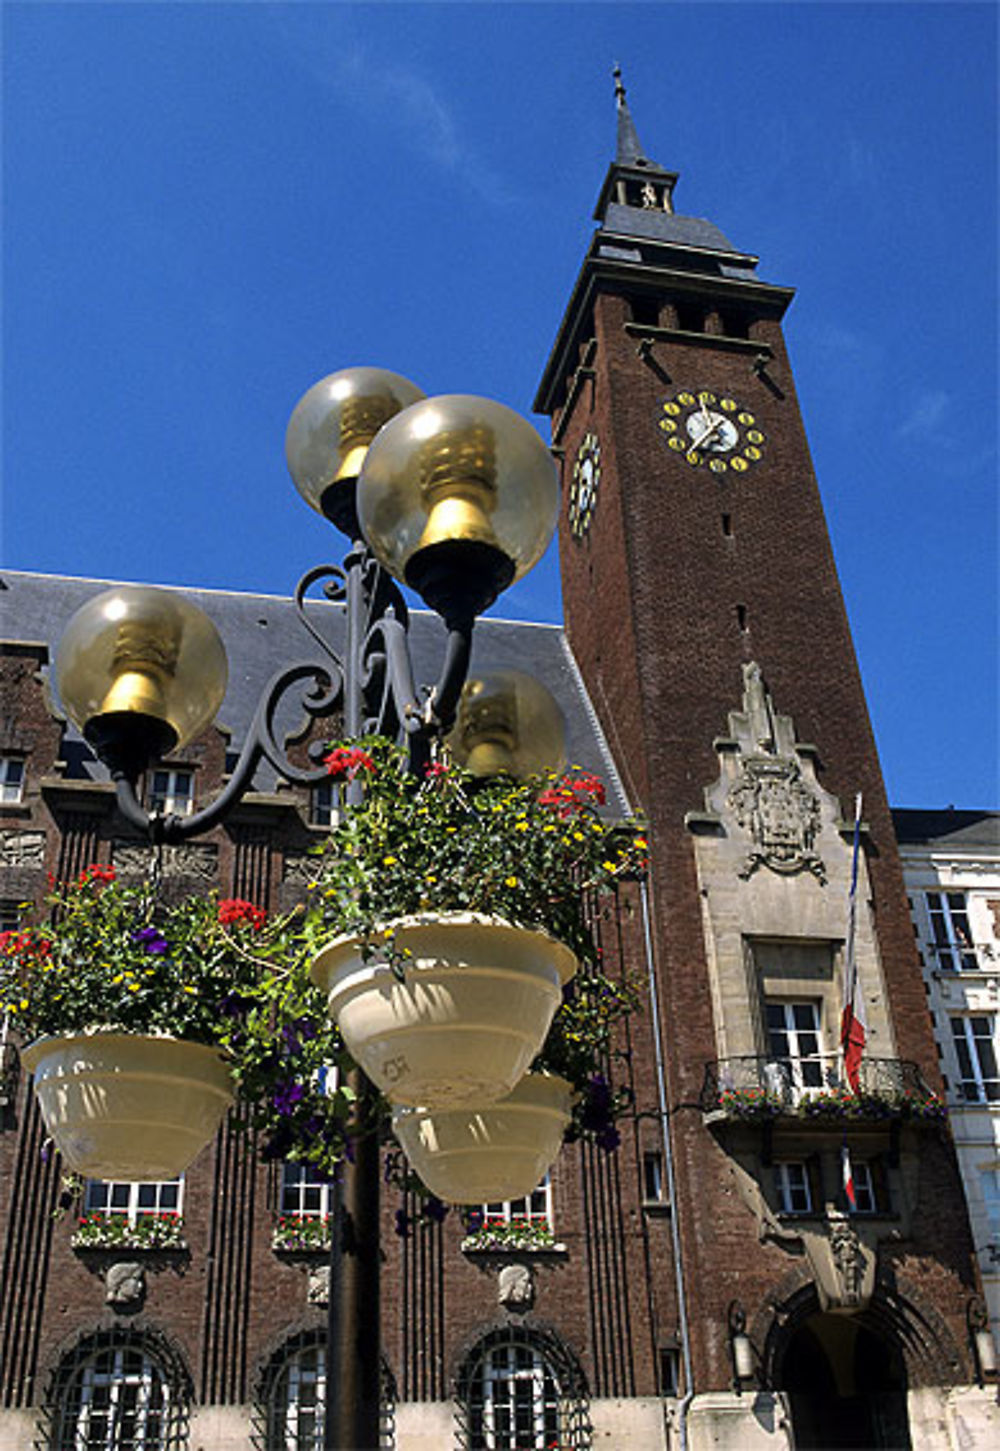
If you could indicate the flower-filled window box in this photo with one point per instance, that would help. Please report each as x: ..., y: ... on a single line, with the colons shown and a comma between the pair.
x: 499, y: 1236
x: 302, y: 1234
x: 118, y: 1231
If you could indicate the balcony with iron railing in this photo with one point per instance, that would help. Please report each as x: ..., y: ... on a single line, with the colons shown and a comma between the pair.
x: 759, y: 1088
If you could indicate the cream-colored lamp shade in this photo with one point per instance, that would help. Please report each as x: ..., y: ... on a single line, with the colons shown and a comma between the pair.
x: 333, y: 424
x: 508, y: 723
x: 142, y: 652
x: 462, y: 484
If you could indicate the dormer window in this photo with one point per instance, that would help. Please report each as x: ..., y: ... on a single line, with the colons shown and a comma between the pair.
x: 171, y: 792
x: 11, y: 780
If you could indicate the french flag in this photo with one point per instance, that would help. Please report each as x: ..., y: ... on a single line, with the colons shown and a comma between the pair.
x: 852, y: 1020
x: 847, y: 1175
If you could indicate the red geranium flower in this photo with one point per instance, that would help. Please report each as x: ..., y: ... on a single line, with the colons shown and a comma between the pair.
x: 347, y: 761
x: 235, y: 909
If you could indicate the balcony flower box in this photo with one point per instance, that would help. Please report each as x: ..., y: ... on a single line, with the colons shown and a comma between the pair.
x: 296, y: 1234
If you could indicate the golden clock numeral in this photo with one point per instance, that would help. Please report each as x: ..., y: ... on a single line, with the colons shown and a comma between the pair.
x: 751, y: 452
x: 739, y: 464
x: 673, y: 408
x: 729, y: 404
x: 754, y: 435
x: 705, y: 397
x: 718, y: 465
x: 668, y: 425
x: 677, y: 443
x: 686, y: 398
x: 747, y: 419
x: 693, y: 457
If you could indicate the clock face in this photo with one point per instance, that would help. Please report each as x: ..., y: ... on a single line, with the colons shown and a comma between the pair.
x: 584, y: 485
x: 711, y: 431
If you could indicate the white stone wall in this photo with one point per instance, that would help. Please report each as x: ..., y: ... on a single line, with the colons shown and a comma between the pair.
x: 974, y: 871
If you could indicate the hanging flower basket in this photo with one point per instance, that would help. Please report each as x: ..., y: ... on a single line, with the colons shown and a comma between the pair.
x: 447, y: 1010
x: 488, y: 1154
x: 129, y: 1106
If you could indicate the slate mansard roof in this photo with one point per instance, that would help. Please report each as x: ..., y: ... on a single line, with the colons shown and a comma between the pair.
x: 262, y: 634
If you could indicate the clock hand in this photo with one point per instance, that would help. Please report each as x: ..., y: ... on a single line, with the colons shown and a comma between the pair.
x: 712, y: 428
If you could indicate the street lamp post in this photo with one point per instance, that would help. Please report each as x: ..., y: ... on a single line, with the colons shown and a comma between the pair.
x: 455, y: 497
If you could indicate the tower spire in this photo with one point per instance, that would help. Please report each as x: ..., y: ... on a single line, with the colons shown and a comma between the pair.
x: 630, y: 152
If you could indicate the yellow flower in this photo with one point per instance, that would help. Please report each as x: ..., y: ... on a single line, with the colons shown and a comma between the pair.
x: 192, y: 990
x: 520, y: 826
x: 430, y: 877
x: 640, y: 841
x: 24, y: 1004
x: 133, y: 987
x: 548, y: 828
x: 511, y: 882
x: 608, y: 866
x: 389, y: 861
x: 578, y: 836
x: 117, y: 979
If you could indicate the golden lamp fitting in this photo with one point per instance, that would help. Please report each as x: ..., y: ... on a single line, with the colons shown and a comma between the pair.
x: 487, y: 728
x: 458, y: 485
x: 144, y: 660
x: 360, y: 419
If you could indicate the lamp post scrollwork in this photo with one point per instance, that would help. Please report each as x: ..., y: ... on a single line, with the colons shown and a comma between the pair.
x: 455, y: 497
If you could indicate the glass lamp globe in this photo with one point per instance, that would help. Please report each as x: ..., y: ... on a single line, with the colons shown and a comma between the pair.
x: 458, y: 498
x: 141, y: 670
x: 508, y: 723
x: 330, y: 430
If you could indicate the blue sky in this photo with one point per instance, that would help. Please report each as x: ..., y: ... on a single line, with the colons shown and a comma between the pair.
x: 210, y: 206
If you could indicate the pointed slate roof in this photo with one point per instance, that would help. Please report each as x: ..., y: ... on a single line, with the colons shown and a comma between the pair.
x: 630, y: 152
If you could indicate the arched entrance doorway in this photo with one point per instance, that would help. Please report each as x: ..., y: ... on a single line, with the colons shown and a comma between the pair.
x: 846, y: 1386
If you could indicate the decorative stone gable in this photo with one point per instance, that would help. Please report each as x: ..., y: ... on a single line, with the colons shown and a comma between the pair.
x: 767, y: 796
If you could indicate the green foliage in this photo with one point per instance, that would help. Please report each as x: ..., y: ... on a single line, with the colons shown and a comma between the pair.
x: 527, y: 851
x: 211, y: 971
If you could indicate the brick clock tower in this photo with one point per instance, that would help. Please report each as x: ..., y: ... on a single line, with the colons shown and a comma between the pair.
x: 703, y: 607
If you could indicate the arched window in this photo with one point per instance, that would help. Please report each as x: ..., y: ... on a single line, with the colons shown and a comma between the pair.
x: 522, y: 1391
x: 291, y: 1406
x: 119, y: 1392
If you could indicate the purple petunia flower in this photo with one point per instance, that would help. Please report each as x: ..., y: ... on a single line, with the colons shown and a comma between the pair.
x: 150, y: 939
x: 287, y: 1095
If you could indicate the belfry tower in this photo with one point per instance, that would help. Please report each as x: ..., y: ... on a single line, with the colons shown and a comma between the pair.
x: 703, y: 608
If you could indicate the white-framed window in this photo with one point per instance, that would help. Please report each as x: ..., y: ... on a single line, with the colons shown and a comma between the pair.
x: 865, y: 1191
x: 791, y: 1187
x: 949, y: 918
x: 975, y: 1039
x: 534, y: 1208
x: 133, y: 1200
x: 11, y: 780
x: 123, y: 1402
x: 325, y: 804
x: 793, y: 1032
x: 171, y: 791
x: 304, y: 1194
x: 670, y: 1370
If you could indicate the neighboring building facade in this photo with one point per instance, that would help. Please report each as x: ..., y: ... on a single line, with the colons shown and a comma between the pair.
x: 951, y: 865
x: 706, y: 1285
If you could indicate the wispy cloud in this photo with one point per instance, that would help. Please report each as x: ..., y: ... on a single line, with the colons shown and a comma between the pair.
x: 926, y: 415
x: 395, y: 93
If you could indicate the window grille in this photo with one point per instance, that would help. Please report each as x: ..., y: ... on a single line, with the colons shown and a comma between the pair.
x: 521, y: 1390
x: 290, y: 1413
x: 118, y: 1391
